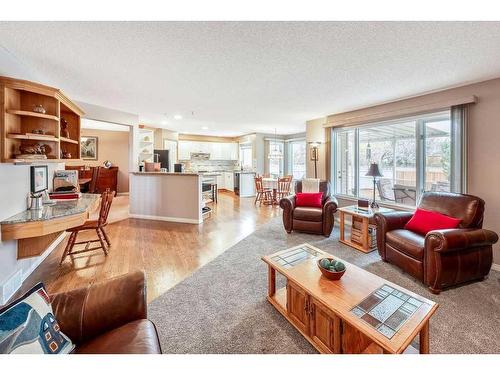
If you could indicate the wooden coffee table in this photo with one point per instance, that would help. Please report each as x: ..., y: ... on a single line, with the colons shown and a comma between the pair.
x: 360, y: 313
x: 363, y: 234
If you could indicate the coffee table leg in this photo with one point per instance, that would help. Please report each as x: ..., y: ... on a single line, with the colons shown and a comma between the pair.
x: 271, y: 279
x: 424, y: 339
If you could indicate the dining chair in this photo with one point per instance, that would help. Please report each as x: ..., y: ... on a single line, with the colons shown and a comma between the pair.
x: 261, y: 194
x: 283, y: 188
x: 97, y: 225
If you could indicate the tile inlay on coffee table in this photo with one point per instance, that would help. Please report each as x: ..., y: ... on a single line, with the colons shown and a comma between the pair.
x: 295, y: 256
x: 387, y: 309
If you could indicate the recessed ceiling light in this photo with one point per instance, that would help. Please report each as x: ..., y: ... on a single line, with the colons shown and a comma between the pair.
x: 204, y: 127
x: 178, y: 117
x: 164, y: 122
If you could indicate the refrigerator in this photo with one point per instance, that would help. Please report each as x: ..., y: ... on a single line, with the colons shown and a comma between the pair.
x: 162, y: 158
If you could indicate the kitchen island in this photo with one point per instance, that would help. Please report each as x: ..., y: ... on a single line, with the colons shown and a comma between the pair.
x: 166, y: 196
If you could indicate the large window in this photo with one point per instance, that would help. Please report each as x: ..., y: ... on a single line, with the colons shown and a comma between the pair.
x: 276, y: 164
x: 297, y: 159
x: 413, y: 155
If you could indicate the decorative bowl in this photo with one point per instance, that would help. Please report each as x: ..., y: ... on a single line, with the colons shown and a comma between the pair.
x: 332, y: 275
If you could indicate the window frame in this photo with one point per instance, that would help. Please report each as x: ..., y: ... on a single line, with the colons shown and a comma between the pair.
x: 289, y: 154
x: 420, y: 163
x: 281, y: 144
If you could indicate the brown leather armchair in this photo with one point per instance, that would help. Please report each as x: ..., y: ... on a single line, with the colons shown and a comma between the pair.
x: 310, y: 219
x: 442, y: 258
x: 108, y: 317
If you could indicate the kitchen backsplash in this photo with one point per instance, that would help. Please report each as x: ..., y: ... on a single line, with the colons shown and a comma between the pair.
x: 210, y: 165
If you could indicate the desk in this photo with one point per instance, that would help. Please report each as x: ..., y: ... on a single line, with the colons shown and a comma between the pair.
x: 35, y: 230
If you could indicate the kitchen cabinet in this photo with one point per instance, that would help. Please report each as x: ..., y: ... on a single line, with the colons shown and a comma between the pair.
x: 184, y: 150
x: 228, y: 181
x: 217, y: 150
x: 221, y: 182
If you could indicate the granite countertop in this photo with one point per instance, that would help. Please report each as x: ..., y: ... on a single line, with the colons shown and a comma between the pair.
x: 60, y: 209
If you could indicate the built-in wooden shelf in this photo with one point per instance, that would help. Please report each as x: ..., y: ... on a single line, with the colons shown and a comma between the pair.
x: 34, y: 137
x: 68, y: 140
x: 32, y: 114
x: 20, y: 126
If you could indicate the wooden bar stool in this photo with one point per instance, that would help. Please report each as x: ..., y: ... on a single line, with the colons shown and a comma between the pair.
x: 97, y: 225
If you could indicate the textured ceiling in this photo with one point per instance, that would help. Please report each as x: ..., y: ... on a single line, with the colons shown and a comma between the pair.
x: 241, y: 77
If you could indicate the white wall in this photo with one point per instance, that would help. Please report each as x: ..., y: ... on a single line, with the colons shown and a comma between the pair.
x: 14, y: 190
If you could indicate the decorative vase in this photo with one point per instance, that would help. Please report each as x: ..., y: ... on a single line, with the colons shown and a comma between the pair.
x: 64, y: 128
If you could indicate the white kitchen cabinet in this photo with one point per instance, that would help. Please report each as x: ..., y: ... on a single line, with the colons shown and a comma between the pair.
x: 221, y: 182
x: 217, y: 150
x: 229, y: 181
x: 184, y: 148
x: 233, y: 151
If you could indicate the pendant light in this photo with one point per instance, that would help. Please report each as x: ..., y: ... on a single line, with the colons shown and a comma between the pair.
x: 275, y: 152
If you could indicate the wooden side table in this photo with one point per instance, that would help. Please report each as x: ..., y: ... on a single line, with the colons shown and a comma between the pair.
x: 364, y: 241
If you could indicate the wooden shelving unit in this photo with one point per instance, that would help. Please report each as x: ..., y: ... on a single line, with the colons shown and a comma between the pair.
x: 19, y: 123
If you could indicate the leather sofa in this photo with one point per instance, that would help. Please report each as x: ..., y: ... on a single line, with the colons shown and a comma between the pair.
x: 310, y: 219
x: 442, y: 258
x: 108, y: 317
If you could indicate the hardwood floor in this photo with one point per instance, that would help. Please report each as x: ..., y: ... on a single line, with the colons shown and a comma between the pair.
x: 167, y: 252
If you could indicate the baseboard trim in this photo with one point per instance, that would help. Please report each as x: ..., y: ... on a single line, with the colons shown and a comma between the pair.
x: 167, y: 218
x: 26, y: 273
x: 495, y: 267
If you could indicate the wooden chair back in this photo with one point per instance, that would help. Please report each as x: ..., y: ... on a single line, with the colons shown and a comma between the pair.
x: 106, y: 200
x: 284, y: 184
x: 259, y: 186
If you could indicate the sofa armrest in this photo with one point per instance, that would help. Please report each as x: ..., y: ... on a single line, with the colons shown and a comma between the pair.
x: 449, y: 240
x: 385, y: 223
x: 88, y: 312
x: 330, y: 204
x: 329, y: 208
x: 392, y: 220
x: 288, y: 205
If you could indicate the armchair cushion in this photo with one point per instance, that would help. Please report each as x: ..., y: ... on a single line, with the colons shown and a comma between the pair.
x: 308, y: 213
x: 407, y: 242
x: 309, y: 199
x: 424, y: 221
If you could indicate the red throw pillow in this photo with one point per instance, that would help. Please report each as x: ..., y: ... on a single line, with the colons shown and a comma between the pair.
x: 424, y: 221
x: 308, y: 199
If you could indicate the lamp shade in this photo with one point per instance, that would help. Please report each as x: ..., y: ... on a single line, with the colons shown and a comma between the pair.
x: 374, y: 171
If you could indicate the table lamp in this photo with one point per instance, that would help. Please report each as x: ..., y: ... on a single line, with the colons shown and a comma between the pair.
x: 374, y: 172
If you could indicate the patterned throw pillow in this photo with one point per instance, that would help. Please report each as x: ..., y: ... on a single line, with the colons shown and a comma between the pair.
x: 28, y: 326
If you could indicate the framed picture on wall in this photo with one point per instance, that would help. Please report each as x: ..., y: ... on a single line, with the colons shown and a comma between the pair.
x: 88, y: 148
x: 39, y: 178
